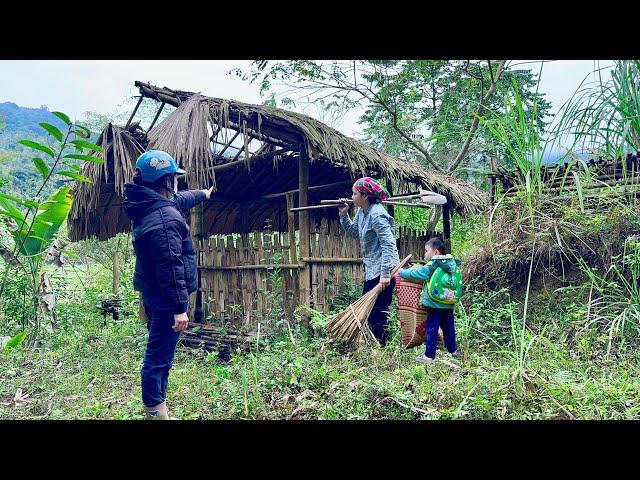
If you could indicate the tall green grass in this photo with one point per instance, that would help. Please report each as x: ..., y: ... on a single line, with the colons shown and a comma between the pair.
x: 604, y: 114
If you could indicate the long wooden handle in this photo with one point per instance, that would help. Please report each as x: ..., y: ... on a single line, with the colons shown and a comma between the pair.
x: 385, y: 202
x: 334, y: 202
x: 311, y: 207
x: 405, y: 204
x: 401, y: 264
x: 333, y: 205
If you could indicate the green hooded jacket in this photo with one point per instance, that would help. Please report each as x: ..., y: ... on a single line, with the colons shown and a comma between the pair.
x: 448, y: 264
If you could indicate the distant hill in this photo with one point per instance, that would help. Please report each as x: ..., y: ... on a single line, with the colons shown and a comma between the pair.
x: 18, y: 175
x: 24, y: 119
x: 552, y: 157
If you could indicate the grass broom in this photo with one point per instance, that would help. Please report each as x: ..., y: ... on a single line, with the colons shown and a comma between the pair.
x: 350, y: 325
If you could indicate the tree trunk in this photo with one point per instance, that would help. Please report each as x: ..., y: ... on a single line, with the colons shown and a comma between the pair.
x: 446, y: 226
x: 435, y: 218
x: 47, y: 302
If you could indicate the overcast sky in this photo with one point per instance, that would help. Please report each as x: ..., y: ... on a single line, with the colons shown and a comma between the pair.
x: 77, y: 86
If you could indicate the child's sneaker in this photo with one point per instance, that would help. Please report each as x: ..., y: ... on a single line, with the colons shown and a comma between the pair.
x: 424, y: 359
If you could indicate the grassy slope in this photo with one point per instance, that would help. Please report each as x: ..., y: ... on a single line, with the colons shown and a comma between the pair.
x: 92, y: 371
x: 88, y: 370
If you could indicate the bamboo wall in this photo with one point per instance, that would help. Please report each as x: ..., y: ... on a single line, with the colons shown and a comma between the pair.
x: 244, y: 277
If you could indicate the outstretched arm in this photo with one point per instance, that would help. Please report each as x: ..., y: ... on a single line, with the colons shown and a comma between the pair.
x: 420, y: 274
x: 188, y: 199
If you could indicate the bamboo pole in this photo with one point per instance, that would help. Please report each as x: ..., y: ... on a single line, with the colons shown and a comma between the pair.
x: 156, y: 117
x: 273, y: 196
x: 332, y: 205
x: 116, y: 269
x: 134, y: 112
x: 331, y: 260
x: 572, y: 187
x: 303, y: 187
x: 251, y: 159
x: 141, y: 312
x: 197, y: 231
x: 291, y: 227
x: 270, y: 266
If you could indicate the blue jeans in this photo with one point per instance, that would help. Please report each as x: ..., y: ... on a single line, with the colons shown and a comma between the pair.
x: 158, y: 358
x: 439, y: 318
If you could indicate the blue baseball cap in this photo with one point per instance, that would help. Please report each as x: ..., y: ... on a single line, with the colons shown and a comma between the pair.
x: 154, y: 164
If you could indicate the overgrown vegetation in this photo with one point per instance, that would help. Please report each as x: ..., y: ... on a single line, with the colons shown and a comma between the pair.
x: 91, y: 370
x: 549, y: 327
x: 33, y: 224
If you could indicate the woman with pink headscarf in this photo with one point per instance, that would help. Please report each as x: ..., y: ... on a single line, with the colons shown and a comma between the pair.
x: 376, y: 230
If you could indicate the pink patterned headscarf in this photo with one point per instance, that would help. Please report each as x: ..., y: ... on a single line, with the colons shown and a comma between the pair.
x: 369, y: 186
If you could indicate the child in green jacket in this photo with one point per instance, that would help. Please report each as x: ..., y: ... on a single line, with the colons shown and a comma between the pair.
x: 439, y: 315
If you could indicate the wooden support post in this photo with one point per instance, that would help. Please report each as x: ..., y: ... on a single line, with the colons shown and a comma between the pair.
x: 446, y: 224
x: 115, y: 286
x: 492, y: 190
x: 244, y: 225
x: 303, y: 220
x: 196, y: 219
x: 291, y: 226
x: 277, y: 196
x: 390, y: 208
x: 134, y: 112
x: 116, y: 271
x: 156, y: 117
x: 141, y: 312
x: 195, y: 299
x: 493, y: 162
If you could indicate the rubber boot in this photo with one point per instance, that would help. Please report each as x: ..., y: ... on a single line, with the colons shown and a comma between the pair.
x: 159, y: 412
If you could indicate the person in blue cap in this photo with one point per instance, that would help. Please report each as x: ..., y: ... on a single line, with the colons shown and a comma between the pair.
x: 166, y: 271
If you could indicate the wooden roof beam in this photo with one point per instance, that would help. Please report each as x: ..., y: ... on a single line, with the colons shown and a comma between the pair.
x: 274, y: 196
x: 244, y: 161
x: 174, y: 98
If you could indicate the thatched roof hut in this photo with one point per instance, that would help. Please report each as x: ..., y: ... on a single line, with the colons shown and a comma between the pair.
x: 268, y: 143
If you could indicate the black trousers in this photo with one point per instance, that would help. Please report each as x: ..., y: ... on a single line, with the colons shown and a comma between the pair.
x: 379, y: 317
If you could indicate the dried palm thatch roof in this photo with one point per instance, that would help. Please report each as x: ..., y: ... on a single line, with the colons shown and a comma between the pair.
x: 187, y: 134
x: 294, y: 131
x: 96, y: 206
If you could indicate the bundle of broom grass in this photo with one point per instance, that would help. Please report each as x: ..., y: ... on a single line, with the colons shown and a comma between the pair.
x: 350, y: 325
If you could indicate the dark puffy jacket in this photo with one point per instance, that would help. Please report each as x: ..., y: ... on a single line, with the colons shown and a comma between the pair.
x: 165, y: 258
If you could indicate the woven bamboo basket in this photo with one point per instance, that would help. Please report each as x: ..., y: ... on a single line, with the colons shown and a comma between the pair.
x: 413, y: 316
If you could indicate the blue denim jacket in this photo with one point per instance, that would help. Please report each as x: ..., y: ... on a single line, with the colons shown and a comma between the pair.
x: 376, y: 230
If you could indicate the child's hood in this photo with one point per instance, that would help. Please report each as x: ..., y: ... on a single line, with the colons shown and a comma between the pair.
x: 446, y: 262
